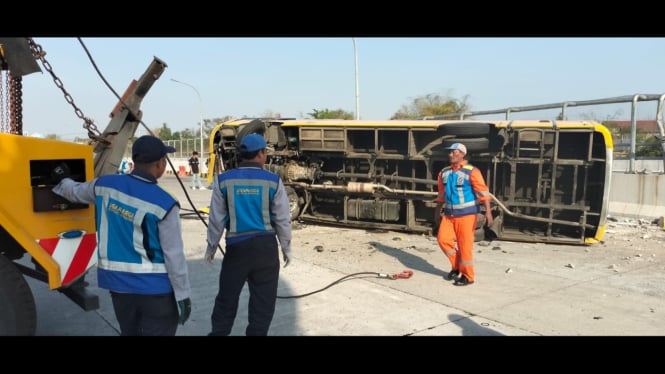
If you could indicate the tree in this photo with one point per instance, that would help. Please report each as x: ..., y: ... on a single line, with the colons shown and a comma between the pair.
x: 330, y: 114
x: 189, y: 134
x: 591, y: 116
x: 164, y: 132
x: 651, y: 147
x: 431, y: 105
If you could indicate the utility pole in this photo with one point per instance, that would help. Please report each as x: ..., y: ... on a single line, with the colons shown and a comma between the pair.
x: 200, y: 110
x: 355, y: 55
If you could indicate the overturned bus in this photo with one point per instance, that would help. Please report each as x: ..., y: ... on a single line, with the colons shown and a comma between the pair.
x: 549, y: 179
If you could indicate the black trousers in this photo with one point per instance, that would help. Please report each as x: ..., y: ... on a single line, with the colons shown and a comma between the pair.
x: 146, y: 315
x: 255, y: 261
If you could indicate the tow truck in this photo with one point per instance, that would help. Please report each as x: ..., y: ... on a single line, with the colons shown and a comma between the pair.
x: 42, y: 235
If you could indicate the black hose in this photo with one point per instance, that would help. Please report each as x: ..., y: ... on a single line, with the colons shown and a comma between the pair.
x: 379, y: 275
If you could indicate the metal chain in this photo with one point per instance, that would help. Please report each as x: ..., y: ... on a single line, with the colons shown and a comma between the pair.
x: 3, y: 124
x: 89, y: 125
x: 17, y: 105
x: 6, y: 123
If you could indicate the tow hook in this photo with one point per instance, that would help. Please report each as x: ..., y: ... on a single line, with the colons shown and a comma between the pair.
x: 406, y: 274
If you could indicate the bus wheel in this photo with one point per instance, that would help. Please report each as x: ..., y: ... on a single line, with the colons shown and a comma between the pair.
x: 256, y: 126
x: 18, y: 313
x: 466, y: 129
x: 294, y: 202
x: 479, y: 235
x: 473, y: 145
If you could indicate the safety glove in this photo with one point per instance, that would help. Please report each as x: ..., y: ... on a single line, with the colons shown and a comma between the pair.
x: 60, y: 172
x: 185, y: 306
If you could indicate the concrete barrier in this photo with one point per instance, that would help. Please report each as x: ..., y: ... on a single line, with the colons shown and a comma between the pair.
x: 637, y: 195
x: 648, y: 166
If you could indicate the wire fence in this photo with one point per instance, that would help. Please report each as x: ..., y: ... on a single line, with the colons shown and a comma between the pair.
x: 184, y: 148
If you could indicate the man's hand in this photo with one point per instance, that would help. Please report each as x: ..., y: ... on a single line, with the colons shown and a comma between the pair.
x: 60, y: 172
x: 209, y: 257
x: 287, y: 260
x: 185, y: 307
x: 489, y: 219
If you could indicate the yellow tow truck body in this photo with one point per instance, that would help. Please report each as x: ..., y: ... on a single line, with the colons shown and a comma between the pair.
x: 43, y: 235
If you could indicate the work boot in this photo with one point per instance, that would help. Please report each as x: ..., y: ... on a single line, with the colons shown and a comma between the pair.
x: 452, y: 275
x: 462, y: 281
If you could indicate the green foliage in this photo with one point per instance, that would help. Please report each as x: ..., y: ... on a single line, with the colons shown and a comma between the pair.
x: 330, y: 114
x: 431, y: 105
x: 647, y: 144
x: 188, y: 134
x: 651, y: 148
x: 164, y: 132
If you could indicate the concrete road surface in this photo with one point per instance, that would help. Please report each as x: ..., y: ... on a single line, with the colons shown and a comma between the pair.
x: 612, y: 288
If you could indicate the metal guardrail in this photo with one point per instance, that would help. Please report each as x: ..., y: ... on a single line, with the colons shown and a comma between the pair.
x: 633, y: 99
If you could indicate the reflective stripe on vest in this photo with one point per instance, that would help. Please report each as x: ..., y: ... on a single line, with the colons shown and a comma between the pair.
x: 460, y: 198
x: 130, y: 254
x: 248, y: 192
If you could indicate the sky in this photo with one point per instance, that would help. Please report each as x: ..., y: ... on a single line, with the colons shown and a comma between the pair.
x: 293, y: 76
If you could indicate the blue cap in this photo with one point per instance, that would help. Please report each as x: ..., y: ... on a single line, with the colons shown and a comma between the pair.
x: 149, y: 149
x: 252, y: 143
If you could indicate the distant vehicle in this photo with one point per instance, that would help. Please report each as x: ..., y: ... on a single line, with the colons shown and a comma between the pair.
x: 550, y: 179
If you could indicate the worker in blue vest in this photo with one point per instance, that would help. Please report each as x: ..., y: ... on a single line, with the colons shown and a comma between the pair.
x: 251, y: 205
x: 141, y: 258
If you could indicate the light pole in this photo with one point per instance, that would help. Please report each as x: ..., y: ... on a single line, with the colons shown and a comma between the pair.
x: 200, y: 110
x: 355, y: 55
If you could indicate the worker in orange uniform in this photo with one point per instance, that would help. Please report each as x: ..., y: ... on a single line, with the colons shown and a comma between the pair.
x: 461, y: 190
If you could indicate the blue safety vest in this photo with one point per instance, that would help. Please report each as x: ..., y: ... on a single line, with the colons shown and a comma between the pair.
x: 459, y: 195
x: 131, y: 260
x: 248, y: 192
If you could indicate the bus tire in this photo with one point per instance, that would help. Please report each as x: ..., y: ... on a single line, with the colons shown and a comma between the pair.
x: 256, y: 126
x: 473, y: 145
x: 294, y: 202
x: 479, y: 235
x: 467, y: 129
x: 18, y: 313
x: 480, y: 221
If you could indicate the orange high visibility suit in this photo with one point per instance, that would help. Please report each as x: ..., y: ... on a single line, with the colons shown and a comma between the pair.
x: 461, y: 189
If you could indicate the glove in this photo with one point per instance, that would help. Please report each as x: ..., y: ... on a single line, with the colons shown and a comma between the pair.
x: 185, y: 307
x: 60, y: 172
x: 287, y: 260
